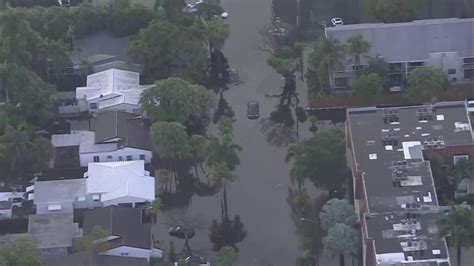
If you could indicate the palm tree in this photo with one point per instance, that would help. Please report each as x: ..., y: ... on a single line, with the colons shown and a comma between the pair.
x: 15, y: 31
x: 458, y: 226
x: 325, y: 58
x: 220, y: 177
x: 217, y: 32
x: 356, y: 47
x: 153, y: 208
x: 296, y: 173
x: 463, y: 169
x: 17, y: 145
x: 222, y: 149
x: 222, y: 152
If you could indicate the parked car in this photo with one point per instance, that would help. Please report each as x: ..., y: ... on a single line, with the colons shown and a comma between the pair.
x: 194, y: 7
x: 253, y: 110
x: 470, y: 106
x: 337, y: 21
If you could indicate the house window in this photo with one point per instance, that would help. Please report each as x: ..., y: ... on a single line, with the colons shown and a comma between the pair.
x: 457, y: 158
x: 451, y: 71
x: 120, y: 158
x: 96, y: 159
x: 129, y: 157
x: 93, y: 106
x: 341, y: 82
x: 96, y: 197
x: 81, y: 198
x: 109, y: 156
x: 54, y: 207
x: 142, y: 157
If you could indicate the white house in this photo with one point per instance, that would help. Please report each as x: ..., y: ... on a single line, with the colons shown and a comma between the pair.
x: 104, y: 184
x: 120, y: 182
x: 111, y: 89
x: 110, y: 136
x: 129, y: 235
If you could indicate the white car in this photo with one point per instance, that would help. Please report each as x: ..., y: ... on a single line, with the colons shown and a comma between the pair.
x: 470, y: 106
x: 193, y: 8
x: 337, y: 21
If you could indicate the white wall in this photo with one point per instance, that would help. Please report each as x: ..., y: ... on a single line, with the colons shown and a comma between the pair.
x: 6, y: 214
x: 122, y: 200
x: 446, y: 61
x: 131, y: 251
x: 42, y: 208
x: 135, y: 153
x: 129, y: 108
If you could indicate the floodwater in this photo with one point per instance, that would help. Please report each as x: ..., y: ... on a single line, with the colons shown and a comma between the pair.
x: 260, y: 220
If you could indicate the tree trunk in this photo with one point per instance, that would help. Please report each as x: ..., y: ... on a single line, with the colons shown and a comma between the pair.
x: 458, y: 254
x: 341, y: 259
x: 226, y: 214
x: 196, y: 171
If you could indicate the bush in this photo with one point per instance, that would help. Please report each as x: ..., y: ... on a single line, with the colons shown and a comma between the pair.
x: 368, y: 87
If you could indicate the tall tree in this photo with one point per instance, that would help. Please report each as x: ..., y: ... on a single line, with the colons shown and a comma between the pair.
x: 21, y: 251
x: 368, y: 87
x: 223, y: 150
x: 16, y: 144
x: 171, y: 142
x: 337, y: 211
x: 15, y: 33
x: 153, y: 208
x: 325, y: 58
x: 425, y: 82
x: 392, y: 10
x: 322, y: 159
x: 341, y: 240
x: 357, y: 47
x: 220, y: 177
x: 227, y: 256
x: 296, y: 173
x: 175, y: 100
x: 217, y: 32
x: 168, y: 48
x: 458, y: 227
x: 199, y: 145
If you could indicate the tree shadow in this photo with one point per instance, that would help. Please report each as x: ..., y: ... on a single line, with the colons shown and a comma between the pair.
x: 227, y: 232
x: 279, y: 129
x: 223, y: 108
x: 185, y: 190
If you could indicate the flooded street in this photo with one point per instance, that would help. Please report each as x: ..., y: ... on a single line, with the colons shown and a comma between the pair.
x: 258, y: 196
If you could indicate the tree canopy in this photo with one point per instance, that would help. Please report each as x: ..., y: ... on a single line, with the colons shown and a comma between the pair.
x: 458, y: 225
x: 341, y: 239
x: 325, y: 57
x: 356, y: 47
x: 322, y: 159
x: 425, y: 82
x: 21, y: 152
x: 337, y: 211
x: 175, y: 100
x: 171, y: 140
x: 22, y: 251
x: 392, y: 10
x: 217, y: 31
x: 175, y: 48
x: 88, y: 241
x: 368, y: 87
x: 227, y: 256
